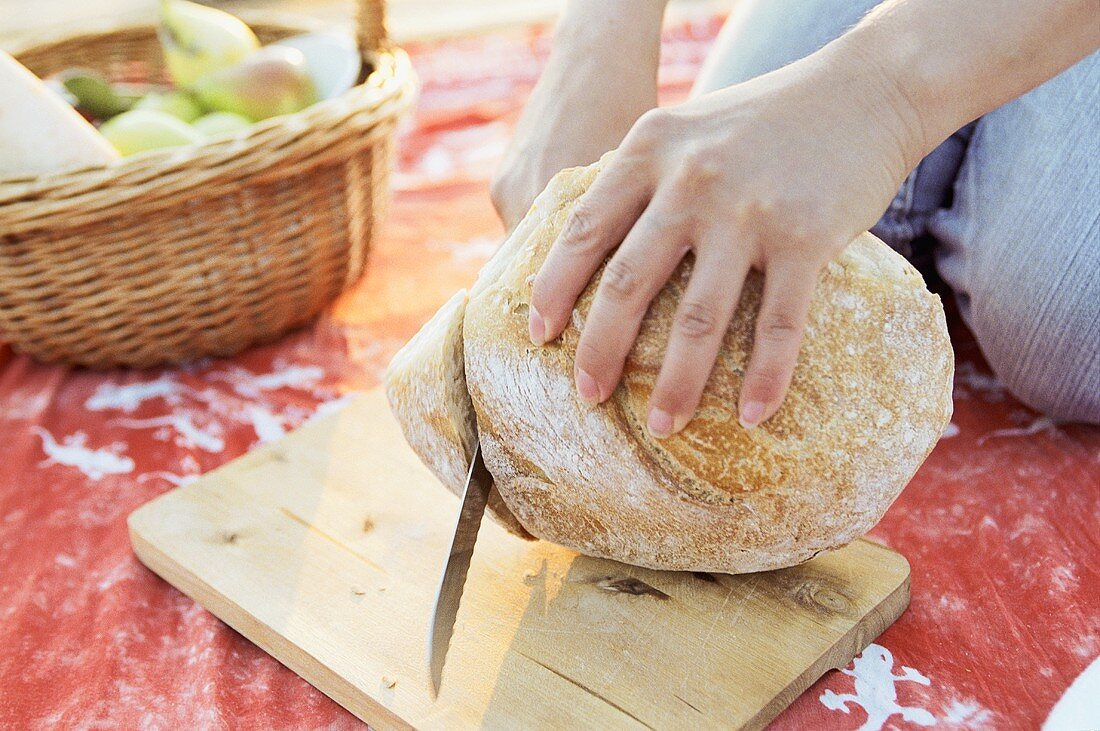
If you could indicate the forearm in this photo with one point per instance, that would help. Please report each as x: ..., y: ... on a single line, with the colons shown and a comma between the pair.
x: 602, y: 73
x: 601, y: 77
x: 621, y: 36
x: 951, y: 61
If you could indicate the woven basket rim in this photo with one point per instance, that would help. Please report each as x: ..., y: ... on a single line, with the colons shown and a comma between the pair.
x: 392, y: 76
x: 79, y: 195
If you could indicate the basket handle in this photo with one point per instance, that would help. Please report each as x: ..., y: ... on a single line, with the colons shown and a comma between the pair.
x: 372, y: 33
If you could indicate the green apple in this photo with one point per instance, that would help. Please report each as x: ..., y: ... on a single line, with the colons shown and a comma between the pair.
x: 272, y: 81
x: 179, y: 104
x: 221, y: 123
x: 198, y: 40
x: 147, y: 129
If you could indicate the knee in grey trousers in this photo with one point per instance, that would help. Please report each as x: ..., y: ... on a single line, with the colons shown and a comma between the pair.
x: 1012, y: 200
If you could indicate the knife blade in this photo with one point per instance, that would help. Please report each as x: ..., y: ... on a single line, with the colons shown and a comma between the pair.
x: 479, y: 483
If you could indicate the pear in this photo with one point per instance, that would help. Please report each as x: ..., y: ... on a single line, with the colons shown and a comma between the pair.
x: 93, y: 93
x: 272, y: 81
x: 332, y: 59
x: 57, y: 86
x: 179, y: 104
x: 147, y: 129
x: 221, y: 123
x: 198, y: 40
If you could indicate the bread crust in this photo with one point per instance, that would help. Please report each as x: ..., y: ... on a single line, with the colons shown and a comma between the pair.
x: 871, y: 395
x: 426, y: 388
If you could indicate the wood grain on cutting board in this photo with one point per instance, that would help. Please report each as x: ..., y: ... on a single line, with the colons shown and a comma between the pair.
x: 325, y: 549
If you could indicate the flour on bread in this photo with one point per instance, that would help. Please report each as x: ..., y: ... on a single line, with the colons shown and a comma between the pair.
x: 426, y: 388
x: 869, y: 398
x: 871, y: 394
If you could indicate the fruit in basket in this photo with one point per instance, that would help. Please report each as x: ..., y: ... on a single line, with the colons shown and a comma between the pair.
x: 199, y: 40
x: 332, y: 60
x: 272, y: 81
x: 221, y: 123
x: 94, y: 94
x: 179, y: 104
x: 139, y: 130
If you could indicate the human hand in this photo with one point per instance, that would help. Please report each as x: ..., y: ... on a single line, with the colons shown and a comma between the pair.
x: 777, y: 174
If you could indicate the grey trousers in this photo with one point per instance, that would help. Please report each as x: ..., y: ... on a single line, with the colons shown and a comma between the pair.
x: 1011, y: 200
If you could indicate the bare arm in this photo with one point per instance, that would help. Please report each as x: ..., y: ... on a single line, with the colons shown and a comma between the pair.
x: 601, y: 76
x: 954, y: 60
x: 778, y: 174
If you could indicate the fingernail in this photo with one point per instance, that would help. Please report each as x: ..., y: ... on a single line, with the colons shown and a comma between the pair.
x: 751, y: 414
x: 660, y: 423
x: 537, y: 327
x: 587, y: 387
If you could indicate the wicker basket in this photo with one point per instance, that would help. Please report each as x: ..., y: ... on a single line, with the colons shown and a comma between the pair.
x: 203, y: 250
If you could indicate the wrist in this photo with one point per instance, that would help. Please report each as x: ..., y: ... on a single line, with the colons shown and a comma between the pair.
x: 993, y: 53
x: 881, y: 84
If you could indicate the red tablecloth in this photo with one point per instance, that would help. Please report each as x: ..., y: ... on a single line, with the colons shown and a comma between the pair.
x: 1000, y: 524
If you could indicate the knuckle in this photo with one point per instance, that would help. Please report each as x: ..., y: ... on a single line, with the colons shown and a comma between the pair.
x: 654, y: 120
x: 755, y: 213
x: 700, y: 167
x: 691, y: 180
x: 697, y: 320
x: 650, y: 126
x: 801, y: 227
x: 767, y: 381
x: 620, y: 279
x: 779, y: 327
x: 590, y: 357
x: 541, y: 294
x: 693, y: 161
x: 580, y: 229
x: 660, y: 228
x: 674, y: 399
x: 549, y: 295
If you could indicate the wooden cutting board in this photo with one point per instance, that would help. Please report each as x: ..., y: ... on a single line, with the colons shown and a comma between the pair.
x: 325, y: 549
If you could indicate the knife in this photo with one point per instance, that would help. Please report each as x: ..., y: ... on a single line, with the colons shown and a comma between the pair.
x: 479, y: 483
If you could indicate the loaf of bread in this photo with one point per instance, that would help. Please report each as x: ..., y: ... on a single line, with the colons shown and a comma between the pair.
x: 870, y: 396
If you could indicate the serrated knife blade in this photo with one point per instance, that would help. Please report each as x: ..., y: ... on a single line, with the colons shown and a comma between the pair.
x: 479, y: 483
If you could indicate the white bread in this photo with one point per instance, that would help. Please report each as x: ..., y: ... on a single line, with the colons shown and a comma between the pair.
x: 39, y: 132
x: 870, y: 396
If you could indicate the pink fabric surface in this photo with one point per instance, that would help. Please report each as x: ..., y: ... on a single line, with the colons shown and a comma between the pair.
x: 1000, y: 524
